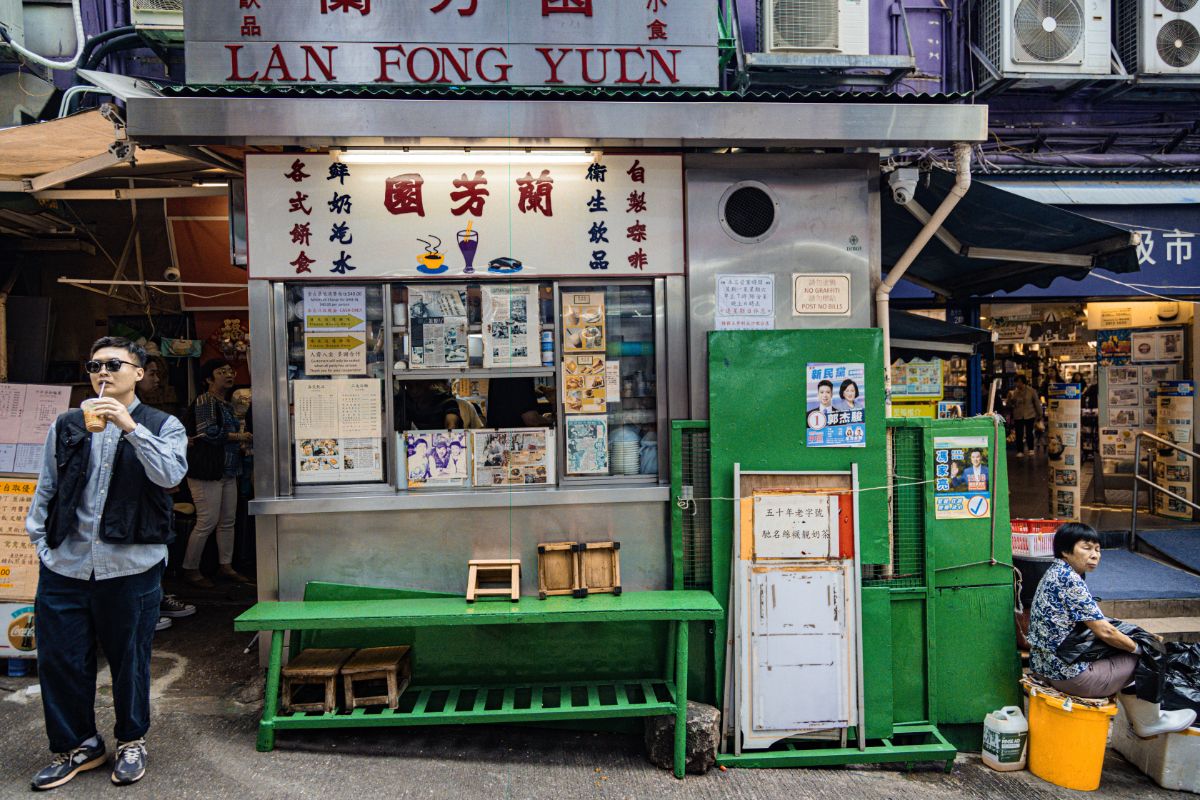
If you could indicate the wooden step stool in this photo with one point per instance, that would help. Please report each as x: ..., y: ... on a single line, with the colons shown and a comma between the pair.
x: 494, y: 577
x: 312, y: 666
x: 390, y: 664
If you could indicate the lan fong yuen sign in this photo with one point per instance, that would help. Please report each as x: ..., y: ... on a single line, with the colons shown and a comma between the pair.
x: 621, y: 43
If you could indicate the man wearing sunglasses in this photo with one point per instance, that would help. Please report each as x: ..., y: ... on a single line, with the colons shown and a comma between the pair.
x: 101, y: 520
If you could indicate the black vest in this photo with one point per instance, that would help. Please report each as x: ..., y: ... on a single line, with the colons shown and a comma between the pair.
x: 137, y: 510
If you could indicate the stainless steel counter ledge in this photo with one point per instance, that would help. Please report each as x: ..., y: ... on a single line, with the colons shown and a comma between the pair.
x: 413, y: 501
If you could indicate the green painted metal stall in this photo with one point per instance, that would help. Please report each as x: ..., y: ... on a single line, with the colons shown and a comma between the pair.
x: 937, y: 603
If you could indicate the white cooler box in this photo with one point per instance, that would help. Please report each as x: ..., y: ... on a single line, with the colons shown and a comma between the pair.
x: 1171, y: 760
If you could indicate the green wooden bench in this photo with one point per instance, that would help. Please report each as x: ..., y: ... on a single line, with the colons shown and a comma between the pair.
x: 650, y: 695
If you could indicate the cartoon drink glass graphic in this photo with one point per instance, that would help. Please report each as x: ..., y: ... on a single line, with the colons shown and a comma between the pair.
x: 468, y: 243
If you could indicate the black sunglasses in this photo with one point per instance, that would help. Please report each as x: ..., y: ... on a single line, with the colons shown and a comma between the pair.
x: 112, y: 365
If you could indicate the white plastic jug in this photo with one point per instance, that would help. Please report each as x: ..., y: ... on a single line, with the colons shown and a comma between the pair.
x: 1005, y: 736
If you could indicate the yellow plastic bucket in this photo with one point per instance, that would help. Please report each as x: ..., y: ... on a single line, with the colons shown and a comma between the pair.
x: 1067, y: 741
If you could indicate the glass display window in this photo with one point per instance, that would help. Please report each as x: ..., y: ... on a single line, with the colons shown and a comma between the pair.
x: 336, y: 371
x: 609, y: 381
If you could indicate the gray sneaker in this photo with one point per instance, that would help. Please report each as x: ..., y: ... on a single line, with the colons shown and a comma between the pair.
x: 172, y: 606
x: 130, y: 765
x: 66, y: 766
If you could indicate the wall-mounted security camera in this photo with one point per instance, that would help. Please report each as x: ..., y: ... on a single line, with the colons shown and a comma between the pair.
x: 904, y: 184
x: 171, y: 274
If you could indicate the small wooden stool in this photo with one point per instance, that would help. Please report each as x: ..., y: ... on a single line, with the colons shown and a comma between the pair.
x: 494, y: 577
x: 314, y: 666
x: 390, y: 664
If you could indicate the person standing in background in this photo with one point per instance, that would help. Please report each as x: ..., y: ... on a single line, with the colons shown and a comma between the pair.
x: 171, y: 607
x: 1026, y: 410
x: 212, y: 476
x: 101, y: 520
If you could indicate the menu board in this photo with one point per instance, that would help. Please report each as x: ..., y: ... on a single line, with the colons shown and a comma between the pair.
x: 338, y: 429
x: 583, y: 321
x: 584, y: 383
x: 26, y: 413
x: 587, y: 445
x: 18, y: 556
x: 1156, y: 345
x: 511, y: 326
x: 513, y: 457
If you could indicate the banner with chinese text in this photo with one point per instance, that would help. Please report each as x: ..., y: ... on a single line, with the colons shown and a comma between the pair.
x: 454, y: 42
x: 310, y: 216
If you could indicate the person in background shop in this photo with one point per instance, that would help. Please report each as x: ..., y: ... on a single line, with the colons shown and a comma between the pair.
x: 513, y: 403
x: 427, y: 406
x: 1026, y: 410
x: 1053, y: 375
x: 101, y: 521
x: 215, y: 499
x: 171, y: 606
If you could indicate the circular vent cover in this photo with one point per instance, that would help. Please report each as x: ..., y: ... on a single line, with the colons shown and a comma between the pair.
x: 1049, y: 30
x: 1178, y: 43
x: 748, y: 212
x: 1179, y: 5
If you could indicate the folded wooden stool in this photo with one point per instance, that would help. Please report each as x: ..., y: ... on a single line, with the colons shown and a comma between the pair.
x: 314, y: 666
x: 390, y: 664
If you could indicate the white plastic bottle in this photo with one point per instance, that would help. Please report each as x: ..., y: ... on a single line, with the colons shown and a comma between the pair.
x: 1005, y: 739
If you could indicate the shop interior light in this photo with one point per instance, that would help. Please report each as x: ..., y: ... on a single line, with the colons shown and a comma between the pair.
x: 211, y: 185
x: 531, y: 157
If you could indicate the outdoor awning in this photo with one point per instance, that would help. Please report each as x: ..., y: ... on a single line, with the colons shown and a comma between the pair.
x: 917, y: 336
x: 998, y: 241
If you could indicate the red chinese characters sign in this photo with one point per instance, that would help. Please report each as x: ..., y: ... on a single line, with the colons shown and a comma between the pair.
x: 315, y: 217
x: 630, y: 43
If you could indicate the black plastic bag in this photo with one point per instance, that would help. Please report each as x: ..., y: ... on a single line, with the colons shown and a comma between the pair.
x: 1182, y: 667
x: 1081, y: 645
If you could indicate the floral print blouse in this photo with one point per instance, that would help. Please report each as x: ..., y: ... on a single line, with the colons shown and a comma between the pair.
x: 1062, y: 599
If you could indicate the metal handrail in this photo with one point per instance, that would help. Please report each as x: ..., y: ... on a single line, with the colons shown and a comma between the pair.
x: 1137, y: 476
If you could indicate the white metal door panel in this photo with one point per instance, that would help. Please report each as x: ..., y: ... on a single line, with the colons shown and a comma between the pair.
x: 799, y: 650
x: 800, y: 602
x: 799, y: 682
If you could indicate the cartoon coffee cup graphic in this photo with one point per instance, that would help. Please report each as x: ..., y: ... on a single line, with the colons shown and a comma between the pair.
x: 432, y: 261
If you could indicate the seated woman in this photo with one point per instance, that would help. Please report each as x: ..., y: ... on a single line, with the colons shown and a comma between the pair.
x: 1061, y: 601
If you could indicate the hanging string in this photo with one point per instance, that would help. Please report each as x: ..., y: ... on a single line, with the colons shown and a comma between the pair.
x: 1140, y: 290
x: 823, y: 491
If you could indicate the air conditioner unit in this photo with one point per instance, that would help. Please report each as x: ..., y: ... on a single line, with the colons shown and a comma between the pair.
x: 1064, y: 37
x: 1159, y: 37
x: 158, y: 19
x: 814, y: 26
x: 12, y: 17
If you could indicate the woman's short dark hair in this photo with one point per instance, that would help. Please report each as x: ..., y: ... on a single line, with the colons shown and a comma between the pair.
x: 1070, y: 534
x: 846, y: 384
x: 209, y: 367
x: 121, y: 343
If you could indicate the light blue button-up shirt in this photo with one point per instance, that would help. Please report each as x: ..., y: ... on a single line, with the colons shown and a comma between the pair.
x: 83, y: 554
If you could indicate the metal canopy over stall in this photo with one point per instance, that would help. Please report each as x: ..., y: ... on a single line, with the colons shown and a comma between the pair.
x: 995, y: 240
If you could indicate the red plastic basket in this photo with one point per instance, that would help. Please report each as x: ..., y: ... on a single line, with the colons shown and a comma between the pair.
x: 1034, y: 538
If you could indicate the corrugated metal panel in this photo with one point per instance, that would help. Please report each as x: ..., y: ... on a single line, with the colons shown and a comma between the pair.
x: 1103, y: 192
x: 535, y: 93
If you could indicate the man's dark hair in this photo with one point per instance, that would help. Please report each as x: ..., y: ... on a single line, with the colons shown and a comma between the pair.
x: 209, y: 367
x: 1021, y: 379
x: 825, y: 383
x: 1071, y: 533
x: 133, y: 348
x: 975, y: 450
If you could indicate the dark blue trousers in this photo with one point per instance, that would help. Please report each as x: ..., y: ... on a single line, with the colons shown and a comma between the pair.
x: 71, y: 616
